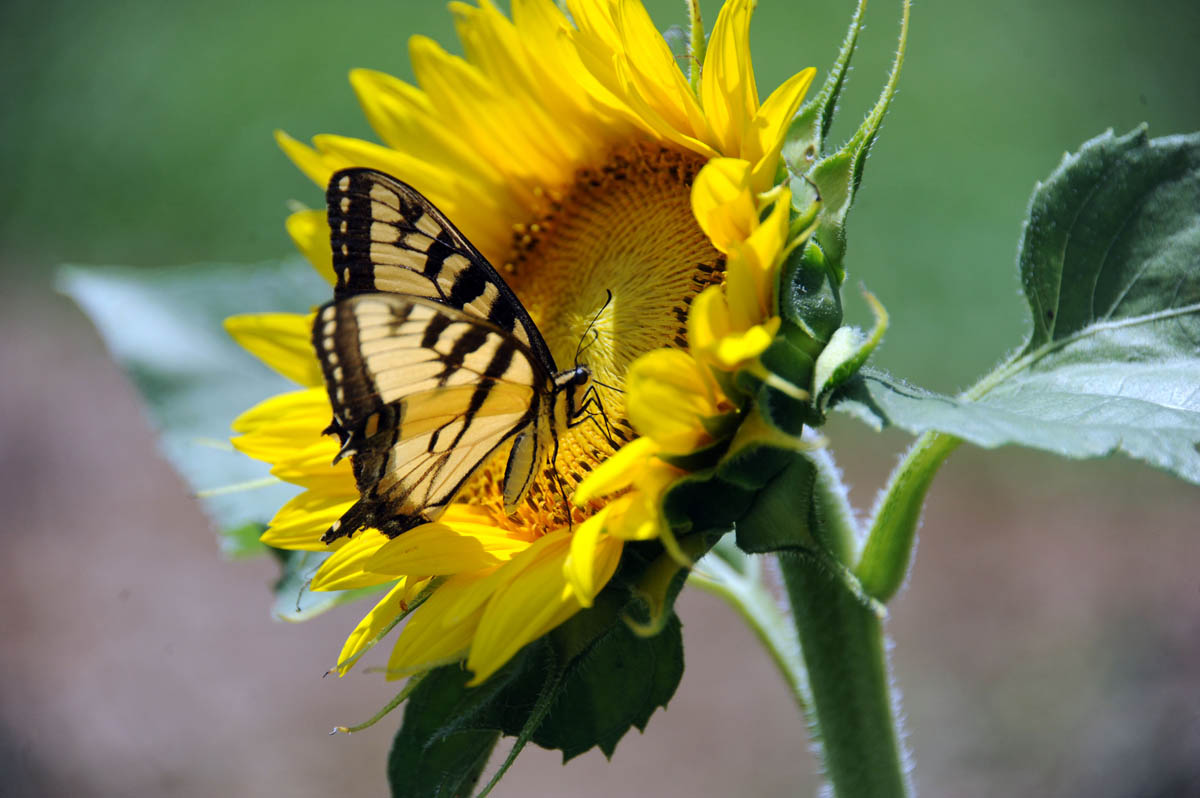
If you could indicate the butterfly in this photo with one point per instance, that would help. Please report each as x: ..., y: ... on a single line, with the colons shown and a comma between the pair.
x: 430, y: 360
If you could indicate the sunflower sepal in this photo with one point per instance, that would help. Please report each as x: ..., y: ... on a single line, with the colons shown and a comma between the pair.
x: 810, y: 298
x: 716, y: 498
x: 846, y: 353
x: 791, y: 356
x: 808, y: 129
x: 654, y: 594
x: 704, y: 501
x: 838, y: 174
x: 699, y: 459
x: 787, y: 411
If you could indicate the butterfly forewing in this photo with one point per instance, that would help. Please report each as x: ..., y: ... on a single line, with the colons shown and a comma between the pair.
x: 387, y: 237
x: 422, y: 395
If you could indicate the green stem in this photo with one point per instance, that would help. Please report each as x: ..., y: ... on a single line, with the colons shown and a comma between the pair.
x: 744, y: 591
x: 852, y: 702
x: 840, y: 630
x: 886, y: 556
x: 889, y: 548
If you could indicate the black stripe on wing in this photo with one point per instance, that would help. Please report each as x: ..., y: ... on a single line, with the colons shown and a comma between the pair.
x: 386, y: 236
x: 422, y: 395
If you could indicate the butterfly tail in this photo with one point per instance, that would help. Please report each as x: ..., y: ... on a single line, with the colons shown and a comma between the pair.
x: 366, y: 513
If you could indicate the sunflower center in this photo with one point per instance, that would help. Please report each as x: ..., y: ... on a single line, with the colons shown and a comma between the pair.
x: 624, y: 229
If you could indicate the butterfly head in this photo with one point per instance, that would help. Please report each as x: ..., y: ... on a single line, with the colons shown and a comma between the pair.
x: 574, y: 384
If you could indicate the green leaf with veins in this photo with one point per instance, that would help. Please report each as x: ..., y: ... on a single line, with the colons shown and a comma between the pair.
x: 1110, y: 264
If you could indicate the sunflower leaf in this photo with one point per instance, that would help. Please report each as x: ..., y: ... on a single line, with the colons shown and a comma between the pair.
x: 615, y: 685
x: 847, y: 351
x: 163, y: 327
x: 241, y: 542
x: 1110, y: 264
x: 425, y: 760
x: 450, y: 729
x: 809, y: 298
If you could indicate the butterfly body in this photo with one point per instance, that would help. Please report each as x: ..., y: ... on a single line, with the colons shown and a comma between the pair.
x: 431, y: 362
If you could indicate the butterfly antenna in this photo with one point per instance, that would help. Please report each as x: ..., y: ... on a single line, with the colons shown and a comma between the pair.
x: 585, y: 347
x: 591, y: 325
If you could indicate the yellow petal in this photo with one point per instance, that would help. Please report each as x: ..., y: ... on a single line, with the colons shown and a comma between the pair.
x: 769, y: 239
x: 615, y: 473
x: 592, y: 560
x: 395, y: 109
x: 583, y: 60
x: 668, y: 394
x: 472, y: 597
x: 492, y: 44
x: 723, y: 203
x: 284, y: 440
x: 751, y: 270
x: 440, y: 549
x: 654, y: 74
x: 771, y: 125
x: 426, y: 640
x: 738, y: 348
x: 280, y: 428
x: 316, y: 166
x: 503, y: 131
x: 310, y: 232
x: 583, y: 104
x: 637, y: 516
x: 488, y: 581
x: 744, y: 278
x: 311, y: 467
x: 727, y: 86
x: 301, y: 522
x: 281, y: 340
x: 649, y: 117
x: 525, y: 608
x: 387, y: 610
x: 708, y: 320
x: 309, y: 406
x: 345, y: 567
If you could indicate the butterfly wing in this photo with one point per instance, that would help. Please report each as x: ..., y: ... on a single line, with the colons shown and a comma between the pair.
x: 422, y: 395
x: 387, y: 237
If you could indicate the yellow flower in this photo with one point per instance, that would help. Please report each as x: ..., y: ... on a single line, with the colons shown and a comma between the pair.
x: 578, y: 158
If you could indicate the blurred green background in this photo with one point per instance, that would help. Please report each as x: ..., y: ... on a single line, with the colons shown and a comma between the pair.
x: 140, y: 133
x: 1049, y: 643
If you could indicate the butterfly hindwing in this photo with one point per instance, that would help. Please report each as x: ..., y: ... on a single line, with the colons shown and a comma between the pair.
x: 387, y: 237
x: 422, y: 395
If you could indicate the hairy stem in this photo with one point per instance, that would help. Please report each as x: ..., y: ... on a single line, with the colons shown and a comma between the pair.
x: 888, y: 551
x: 853, y: 710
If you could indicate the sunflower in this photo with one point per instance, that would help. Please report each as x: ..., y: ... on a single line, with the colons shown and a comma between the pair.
x: 579, y: 158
